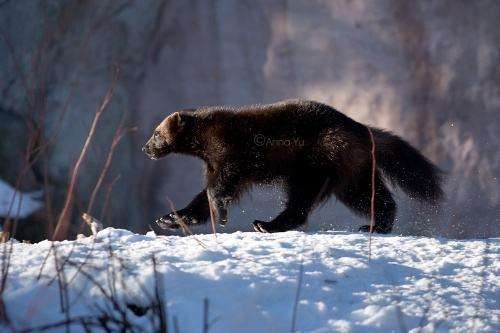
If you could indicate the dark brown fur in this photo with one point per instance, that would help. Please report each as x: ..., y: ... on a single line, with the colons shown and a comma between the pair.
x: 311, y: 149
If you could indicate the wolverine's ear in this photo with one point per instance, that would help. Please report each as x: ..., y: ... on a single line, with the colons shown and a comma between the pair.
x: 179, y: 120
x: 175, y: 121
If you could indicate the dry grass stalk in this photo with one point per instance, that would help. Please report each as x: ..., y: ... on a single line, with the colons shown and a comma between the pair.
x: 184, y: 226
x: 37, y: 110
x: 107, y: 198
x: 4, y: 236
x: 119, y: 134
x: 62, y: 225
x: 372, y: 199
x: 212, y: 215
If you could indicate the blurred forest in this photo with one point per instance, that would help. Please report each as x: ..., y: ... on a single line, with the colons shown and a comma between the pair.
x: 426, y: 70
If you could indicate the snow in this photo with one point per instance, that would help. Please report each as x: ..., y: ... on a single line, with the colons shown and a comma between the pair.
x: 250, y: 280
x: 16, y: 203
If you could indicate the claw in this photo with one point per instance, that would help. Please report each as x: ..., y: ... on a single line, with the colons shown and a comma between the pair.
x: 258, y: 226
x: 223, y: 222
x: 167, y: 222
x: 175, y: 220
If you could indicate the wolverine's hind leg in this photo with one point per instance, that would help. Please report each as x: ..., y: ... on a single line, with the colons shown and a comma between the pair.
x: 303, y: 194
x: 357, y: 197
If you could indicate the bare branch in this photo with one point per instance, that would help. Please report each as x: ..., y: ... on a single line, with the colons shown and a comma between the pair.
x: 108, y: 196
x: 119, y: 134
x: 62, y: 226
x: 372, y: 199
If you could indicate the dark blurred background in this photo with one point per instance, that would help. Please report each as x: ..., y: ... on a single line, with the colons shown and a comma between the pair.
x: 426, y: 70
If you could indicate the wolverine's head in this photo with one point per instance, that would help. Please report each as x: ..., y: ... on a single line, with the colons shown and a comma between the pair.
x: 170, y: 136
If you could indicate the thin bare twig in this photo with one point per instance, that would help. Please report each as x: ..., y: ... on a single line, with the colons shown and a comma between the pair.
x: 61, y: 229
x: 63, y: 288
x: 119, y: 134
x: 206, y: 305
x: 297, y: 295
x: 33, y: 151
x: 372, y: 199
x: 159, y: 306
x: 18, y: 68
x: 212, y: 214
x: 107, y: 197
x: 184, y: 226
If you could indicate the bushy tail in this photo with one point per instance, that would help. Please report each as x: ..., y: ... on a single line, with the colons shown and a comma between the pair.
x: 407, y: 167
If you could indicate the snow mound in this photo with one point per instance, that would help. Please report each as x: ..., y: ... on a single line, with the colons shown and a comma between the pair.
x: 15, y: 203
x: 247, y: 282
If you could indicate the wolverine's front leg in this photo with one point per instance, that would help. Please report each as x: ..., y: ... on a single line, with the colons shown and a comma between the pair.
x: 218, y: 205
x: 196, y: 212
x: 222, y: 189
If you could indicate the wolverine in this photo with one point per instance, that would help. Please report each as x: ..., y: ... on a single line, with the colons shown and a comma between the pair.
x: 310, y: 149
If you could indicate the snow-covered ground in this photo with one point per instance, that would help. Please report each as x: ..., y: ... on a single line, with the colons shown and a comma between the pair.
x: 14, y: 203
x: 250, y: 281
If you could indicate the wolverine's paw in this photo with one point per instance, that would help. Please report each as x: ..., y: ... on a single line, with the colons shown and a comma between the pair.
x: 378, y: 230
x: 169, y: 221
x: 174, y: 221
x: 156, y: 229
x: 267, y: 227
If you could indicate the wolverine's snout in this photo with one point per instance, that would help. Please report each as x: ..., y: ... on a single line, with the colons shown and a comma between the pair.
x: 148, y: 151
x: 156, y: 148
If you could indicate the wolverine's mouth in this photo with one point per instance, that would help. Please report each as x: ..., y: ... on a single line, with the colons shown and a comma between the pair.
x: 153, y: 156
x: 156, y: 154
